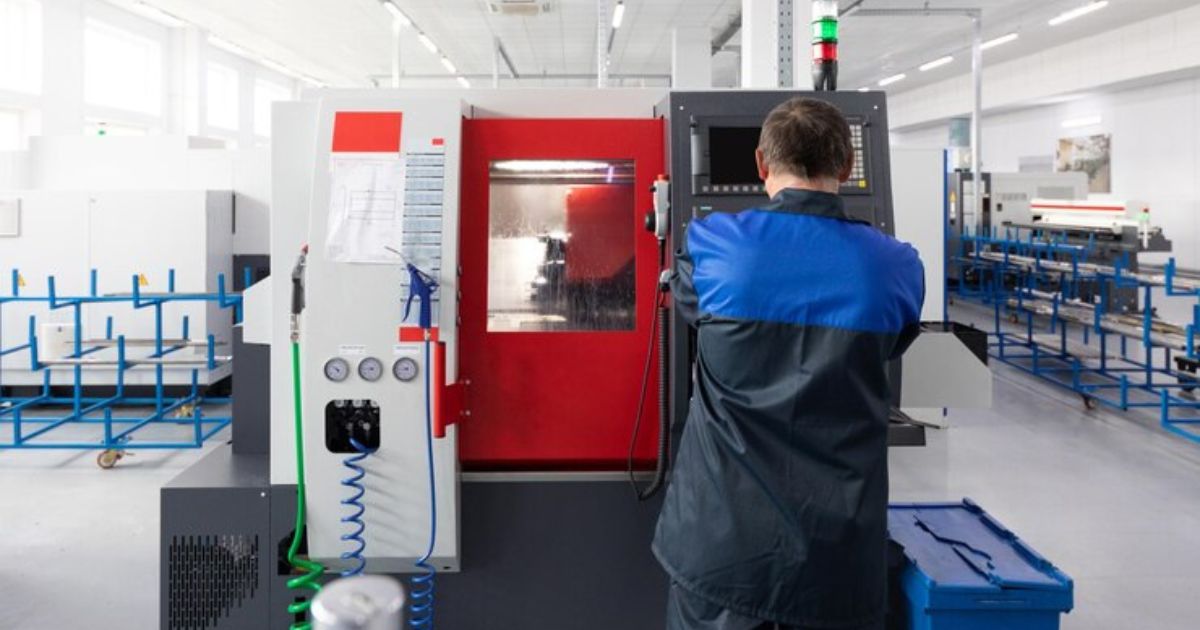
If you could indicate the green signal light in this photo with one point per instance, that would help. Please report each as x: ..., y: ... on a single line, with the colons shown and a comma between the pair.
x: 825, y: 30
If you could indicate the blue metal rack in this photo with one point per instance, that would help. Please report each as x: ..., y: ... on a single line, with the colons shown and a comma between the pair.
x: 1038, y: 281
x: 32, y: 420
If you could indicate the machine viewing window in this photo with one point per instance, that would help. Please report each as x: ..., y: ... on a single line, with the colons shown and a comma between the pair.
x: 561, y: 245
x: 731, y: 155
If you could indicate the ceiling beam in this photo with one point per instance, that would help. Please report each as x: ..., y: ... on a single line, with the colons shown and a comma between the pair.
x: 512, y: 68
x: 381, y: 79
x: 914, y: 12
x: 727, y: 33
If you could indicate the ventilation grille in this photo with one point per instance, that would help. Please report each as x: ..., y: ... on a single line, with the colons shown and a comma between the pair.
x: 209, y: 577
x: 526, y: 8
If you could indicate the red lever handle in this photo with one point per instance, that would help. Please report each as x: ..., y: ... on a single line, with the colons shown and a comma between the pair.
x: 447, y: 398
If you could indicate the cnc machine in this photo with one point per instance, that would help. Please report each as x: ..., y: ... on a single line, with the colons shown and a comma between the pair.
x: 480, y: 318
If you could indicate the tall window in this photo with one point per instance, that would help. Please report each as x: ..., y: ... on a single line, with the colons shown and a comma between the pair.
x: 222, y: 100
x: 123, y: 70
x: 265, y: 93
x: 12, y: 137
x: 21, y: 46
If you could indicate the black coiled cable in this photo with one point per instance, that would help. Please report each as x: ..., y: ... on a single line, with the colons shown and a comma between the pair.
x: 658, y: 332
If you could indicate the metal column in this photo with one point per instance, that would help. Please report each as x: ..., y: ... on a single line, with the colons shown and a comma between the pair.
x: 977, y: 111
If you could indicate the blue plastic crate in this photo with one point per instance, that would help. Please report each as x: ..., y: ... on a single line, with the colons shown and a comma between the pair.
x: 966, y: 571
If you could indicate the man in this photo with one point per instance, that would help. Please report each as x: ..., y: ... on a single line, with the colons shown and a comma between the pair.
x: 777, y: 510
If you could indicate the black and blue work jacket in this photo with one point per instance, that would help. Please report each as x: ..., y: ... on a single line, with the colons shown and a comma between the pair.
x: 777, y: 505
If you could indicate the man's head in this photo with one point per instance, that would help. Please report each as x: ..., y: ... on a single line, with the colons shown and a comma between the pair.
x: 805, y: 143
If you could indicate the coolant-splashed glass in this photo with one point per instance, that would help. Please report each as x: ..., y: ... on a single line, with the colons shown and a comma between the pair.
x: 561, y: 245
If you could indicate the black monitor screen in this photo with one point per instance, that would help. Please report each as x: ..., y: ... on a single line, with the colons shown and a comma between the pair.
x: 731, y: 155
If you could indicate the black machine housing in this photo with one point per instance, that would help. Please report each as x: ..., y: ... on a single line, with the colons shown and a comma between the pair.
x: 711, y: 137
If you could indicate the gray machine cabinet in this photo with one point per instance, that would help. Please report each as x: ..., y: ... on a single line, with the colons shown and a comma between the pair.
x: 217, y: 552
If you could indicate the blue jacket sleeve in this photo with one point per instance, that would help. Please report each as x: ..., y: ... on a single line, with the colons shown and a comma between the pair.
x: 683, y: 289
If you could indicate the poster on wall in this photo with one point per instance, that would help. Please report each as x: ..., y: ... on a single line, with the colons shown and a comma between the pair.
x: 1091, y: 155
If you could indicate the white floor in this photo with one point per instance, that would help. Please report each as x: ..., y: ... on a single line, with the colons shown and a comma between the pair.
x: 79, y: 545
x: 1110, y: 498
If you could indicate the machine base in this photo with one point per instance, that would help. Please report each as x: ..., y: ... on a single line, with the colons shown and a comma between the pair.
x: 554, y: 552
x: 539, y: 550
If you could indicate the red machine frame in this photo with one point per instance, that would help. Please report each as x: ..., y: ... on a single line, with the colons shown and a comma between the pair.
x: 554, y: 400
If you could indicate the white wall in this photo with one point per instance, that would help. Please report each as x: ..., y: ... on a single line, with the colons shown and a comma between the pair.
x: 1155, y: 144
x: 61, y: 158
x: 1156, y: 155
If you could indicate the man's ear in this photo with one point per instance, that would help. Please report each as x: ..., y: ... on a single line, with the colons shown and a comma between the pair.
x: 763, y: 170
x: 844, y: 176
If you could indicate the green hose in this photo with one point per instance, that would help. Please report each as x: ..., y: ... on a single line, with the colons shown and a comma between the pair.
x: 313, y: 571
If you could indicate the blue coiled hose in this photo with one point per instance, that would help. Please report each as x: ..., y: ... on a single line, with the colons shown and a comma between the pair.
x: 421, y: 595
x: 354, y: 519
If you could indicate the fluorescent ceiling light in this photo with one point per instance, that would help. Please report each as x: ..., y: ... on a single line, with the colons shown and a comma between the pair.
x: 1079, y: 12
x: 464, y: 82
x: 1000, y: 41
x: 618, y: 15
x: 449, y: 65
x: 937, y: 63
x: 545, y: 166
x: 1086, y: 121
x: 229, y: 47
x: 895, y: 78
x: 427, y: 43
x: 396, y: 13
x: 278, y: 67
x: 158, y: 15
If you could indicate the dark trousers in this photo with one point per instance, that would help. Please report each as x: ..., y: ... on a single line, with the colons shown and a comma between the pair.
x: 685, y: 611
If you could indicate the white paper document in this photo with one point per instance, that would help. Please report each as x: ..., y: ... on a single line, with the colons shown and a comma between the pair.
x: 366, y: 209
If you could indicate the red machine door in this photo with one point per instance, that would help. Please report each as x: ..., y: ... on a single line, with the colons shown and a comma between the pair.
x: 558, y: 278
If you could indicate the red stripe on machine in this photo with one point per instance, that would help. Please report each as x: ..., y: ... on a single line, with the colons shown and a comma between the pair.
x: 367, y: 132
x: 415, y: 334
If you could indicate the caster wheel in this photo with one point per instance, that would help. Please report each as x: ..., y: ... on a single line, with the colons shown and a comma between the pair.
x: 1090, y: 403
x: 1014, y: 319
x: 108, y: 459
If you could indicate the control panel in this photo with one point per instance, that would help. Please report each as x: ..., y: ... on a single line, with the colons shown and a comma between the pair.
x: 723, y: 158
x: 714, y: 136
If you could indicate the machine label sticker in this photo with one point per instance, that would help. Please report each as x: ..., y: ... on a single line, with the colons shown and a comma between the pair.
x: 405, y: 349
x: 366, y: 209
x: 352, y: 350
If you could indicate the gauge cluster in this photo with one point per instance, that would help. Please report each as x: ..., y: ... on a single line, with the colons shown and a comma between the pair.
x: 370, y: 369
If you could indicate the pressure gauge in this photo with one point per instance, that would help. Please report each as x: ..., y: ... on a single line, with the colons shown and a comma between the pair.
x: 370, y: 369
x: 336, y: 369
x: 404, y: 369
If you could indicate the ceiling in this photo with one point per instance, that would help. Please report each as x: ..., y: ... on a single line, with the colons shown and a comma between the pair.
x: 876, y: 47
x: 349, y: 42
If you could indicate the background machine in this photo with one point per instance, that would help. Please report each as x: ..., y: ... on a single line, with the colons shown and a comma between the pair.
x: 480, y: 314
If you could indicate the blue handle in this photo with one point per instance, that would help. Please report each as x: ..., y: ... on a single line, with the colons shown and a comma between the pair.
x: 420, y: 286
